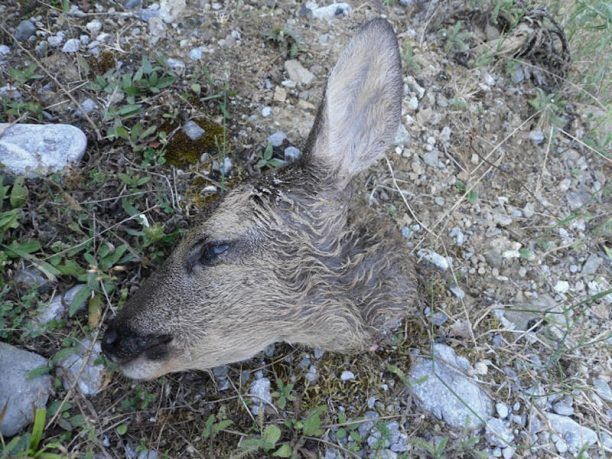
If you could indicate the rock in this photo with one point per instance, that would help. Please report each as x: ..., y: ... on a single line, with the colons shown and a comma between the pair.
x: 56, y: 40
x: 431, y: 158
x: 591, y: 265
x: 171, y: 10
x: 402, y: 137
x: 4, y: 52
x: 292, y: 154
x: 537, y: 136
x: 148, y: 454
x: 57, y: 306
x: 94, y: 27
x: 298, y: 73
x: 564, y: 407
x: 434, y: 258
x: 572, y: 433
x: 508, y: 452
x: 502, y: 410
x: 18, y: 392
x: 196, y: 53
x: 277, y: 138
x: 347, y: 375
x: 266, y: 111
x: 528, y: 210
x: 81, y: 368
x: 413, y: 103
x: 523, y: 315
x: 24, y: 30
x: 260, y: 392
x: 457, y: 291
x: 87, y: 106
x: 561, y: 286
x: 226, y: 167
x: 29, y: 278
x: 72, y: 45
x: 497, y: 433
x: 458, y: 401
x: 457, y: 234
x: 220, y: 374
x: 157, y: 30
x: 312, y: 374
x: 603, y: 389
x: 332, y: 11
x: 193, y: 130
x: 175, y: 64
x: 131, y: 4
x: 39, y: 149
x: 280, y: 94
x: 518, y: 75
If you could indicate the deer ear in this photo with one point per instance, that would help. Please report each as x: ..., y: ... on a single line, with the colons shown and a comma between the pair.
x: 361, y: 108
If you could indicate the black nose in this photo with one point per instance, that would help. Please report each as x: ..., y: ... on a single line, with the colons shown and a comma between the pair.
x: 122, y: 344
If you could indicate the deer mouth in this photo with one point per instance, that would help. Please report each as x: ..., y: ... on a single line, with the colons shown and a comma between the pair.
x: 122, y: 345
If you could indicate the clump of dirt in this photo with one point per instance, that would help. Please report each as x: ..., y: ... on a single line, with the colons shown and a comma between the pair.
x: 182, y: 151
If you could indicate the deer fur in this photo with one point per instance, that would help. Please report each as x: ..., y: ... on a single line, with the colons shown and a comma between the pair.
x: 303, y: 263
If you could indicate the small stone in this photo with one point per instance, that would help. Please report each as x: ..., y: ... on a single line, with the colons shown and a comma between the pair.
x: 39, y: 149
x: 402, y: 137
x: 80, y: 368
x: 277, y: 138
x: 196, y: 53
x: 497, y: 434
x: 20, y: 393
x: 226, y: 167
x: 24, y: 30
x: 457, y: 291
x: 29, y: 278
x: 266, y: 111
x: 537, y: 137
x: 171, y: 10
x: 603, y: 389
x: 518, y: 75
x: 94, y: 27
x: 591, y: 265
x: 575, y: 435
x: 502, y: 410
x: 503, y: 220
x: 528, y: 210
x: 434, y: 258
x: 157, y: 30
x: 457, y: 234
x: 56, y: 40
x: 332, y: 11
x: 298, y: 73
x: 413, y: 103
x: 347, y: 375
x: 84, y: 39
x: 57, y: 307
x: 4, y: 52
x: 71, y: 46
x: 280, y: 94
x: 131, y: 4
x: 561, y: 286
x: 148, y: 454
x: 175, y: 64
x: 87, y: 106
x: 561, y: 446
x: 260, y: 394
x: 292, y: 154
x: 193, y: 130
x: 439, y: 200
x: 564, y: 407
x: 508, y: 452
x: 444, y: 390
x: 431, y: 158
x: 312, y: 374
x: 318, y: 353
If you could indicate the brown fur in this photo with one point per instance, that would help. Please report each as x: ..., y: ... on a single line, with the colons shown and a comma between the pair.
x: 302, y: 266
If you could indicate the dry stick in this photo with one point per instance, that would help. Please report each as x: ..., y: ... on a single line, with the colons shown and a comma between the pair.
x: 56, y: 81
x: 586, y: 146
x: 539, y: 181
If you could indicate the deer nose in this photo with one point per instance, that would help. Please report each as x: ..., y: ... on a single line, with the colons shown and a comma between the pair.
x: 122, y: 344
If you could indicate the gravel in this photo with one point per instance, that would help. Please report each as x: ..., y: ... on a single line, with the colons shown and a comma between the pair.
x: 72, y: 46
x: 24, y: 30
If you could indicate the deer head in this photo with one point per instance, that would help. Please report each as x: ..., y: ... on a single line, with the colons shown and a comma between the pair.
x: 286, y: 257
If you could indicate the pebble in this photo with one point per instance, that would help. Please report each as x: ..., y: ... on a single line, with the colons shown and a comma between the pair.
x: 413, y: 103
x: 88, y: 106
x: 4, y: 52
x: 508, y: 452
x: 591, y: 265
x: 260, y: 390
x: 457, y: 291
x: 439, y: 200
x: 564, y: 407
x: 603, y: 389
x: 575, y: 435
x: 457, y: 234
x: 347, y: 375
x: 175, y: 64
x: 56, y: 40
x: 72, y: 45
x: 312, y: 374
x: 298, y: 73
x: 29, y: 278
x: 196, y: 53
x: 449, y: 400
x: 502, y: 410
x: 193, y: 130
x: 292, y: 154
x: 536, y: 136
x: 528, y: 210
x: 84, y: 39
x: 57, y: 307
x: 497, y: 434
x: 19, y: 393
x: 518, y: 75
x: 171, y: 10
x: 561, y: 286
x: 434, y: 258
x: 402, y: 137
x: 220, y: 374
x: 226, y: 167
x: 24, y: 30
x: 277, y: 138
x: 431, y: 158
x: 332, y: 11
x: 81, y: 368
x: 94, y: 27
x: 266, y: 111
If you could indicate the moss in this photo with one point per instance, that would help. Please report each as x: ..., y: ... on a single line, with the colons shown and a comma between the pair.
x: 182, y: 151
x: 103, y: 63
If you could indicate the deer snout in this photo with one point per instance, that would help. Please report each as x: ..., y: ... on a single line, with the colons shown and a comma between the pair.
x: 122, y: 344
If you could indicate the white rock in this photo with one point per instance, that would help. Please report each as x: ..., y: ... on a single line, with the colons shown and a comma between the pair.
x: 277, y: 138
x: 266, y: 111
x: 498, y: 434
x: 347, y: 375
x: 193, y: 130
x: 434, y: 258
x: 38, y: 149
x: 4, y: 51
x: 19, y: 393
x: 457, y: 234
x: 94, y: 27
x: 457, y: 398
x: 572, y: 433
x: 260, y: 392
x: 80, y: 368
x: 196, y: 53
x: 561, y: 286
x: 56, y: 40
x: 72, y: 45
x: 457, y: 291
x: 298, y: 73
x: 502, y: 410
x: 175, y: 64
x: 292, y: 154
x: 331, y: 11
x: 171, y: 10
x: 508, y: 452
x: 57, y: 307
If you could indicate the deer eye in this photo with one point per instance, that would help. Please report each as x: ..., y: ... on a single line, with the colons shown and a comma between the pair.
x: 211, y: 251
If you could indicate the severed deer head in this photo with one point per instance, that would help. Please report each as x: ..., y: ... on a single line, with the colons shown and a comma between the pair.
x: 286, y: 257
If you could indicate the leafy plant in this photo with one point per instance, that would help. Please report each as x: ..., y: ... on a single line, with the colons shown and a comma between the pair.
x: 267, y: 159
x: 267, y: 442
x: 284, y: 393
x: 29, y: 444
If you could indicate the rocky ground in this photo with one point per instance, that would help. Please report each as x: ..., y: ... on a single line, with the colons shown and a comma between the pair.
x: 498, y: 182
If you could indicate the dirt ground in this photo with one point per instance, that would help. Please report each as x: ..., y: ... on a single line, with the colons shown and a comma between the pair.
x: 502, y: 169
